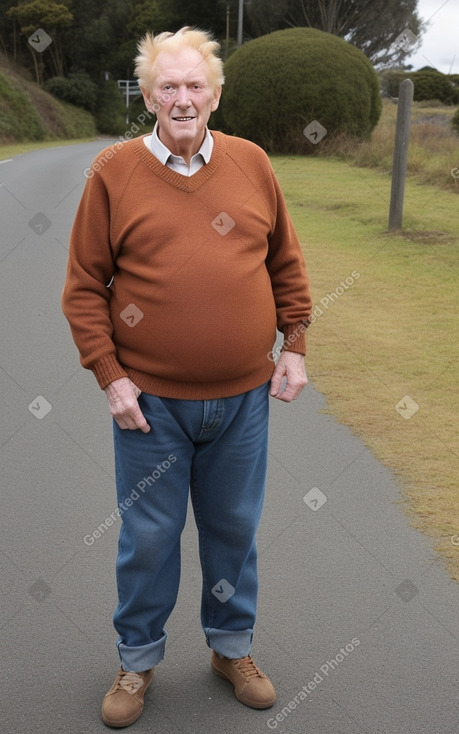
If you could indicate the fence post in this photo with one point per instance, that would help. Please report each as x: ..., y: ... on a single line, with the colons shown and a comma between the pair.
x: 402, y: 139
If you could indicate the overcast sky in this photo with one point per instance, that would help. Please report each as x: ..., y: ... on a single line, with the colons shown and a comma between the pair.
x: 440, y: 43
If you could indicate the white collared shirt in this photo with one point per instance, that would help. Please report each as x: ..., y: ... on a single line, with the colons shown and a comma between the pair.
x: 176, y: 162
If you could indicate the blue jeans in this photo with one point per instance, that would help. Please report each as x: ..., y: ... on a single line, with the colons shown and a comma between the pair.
x: 217, y: 450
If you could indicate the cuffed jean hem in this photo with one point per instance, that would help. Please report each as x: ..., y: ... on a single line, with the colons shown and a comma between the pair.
x: 232, y: 644
x: 144, y: 657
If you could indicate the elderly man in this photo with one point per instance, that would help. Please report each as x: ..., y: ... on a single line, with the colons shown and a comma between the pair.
x: 183, y: 260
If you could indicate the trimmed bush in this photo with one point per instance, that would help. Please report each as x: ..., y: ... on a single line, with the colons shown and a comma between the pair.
x: 278, y: 84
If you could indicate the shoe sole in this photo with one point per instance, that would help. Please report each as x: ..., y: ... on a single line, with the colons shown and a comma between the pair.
x: 123, y: 724
x: 254, y: 704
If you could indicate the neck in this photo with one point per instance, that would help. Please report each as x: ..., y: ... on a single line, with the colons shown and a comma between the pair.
x: 184, y: 149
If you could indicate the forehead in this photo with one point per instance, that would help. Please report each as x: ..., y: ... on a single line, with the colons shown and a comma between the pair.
x: 183, y: 64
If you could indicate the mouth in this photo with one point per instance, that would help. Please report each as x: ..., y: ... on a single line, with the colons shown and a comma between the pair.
x: 183, y: 119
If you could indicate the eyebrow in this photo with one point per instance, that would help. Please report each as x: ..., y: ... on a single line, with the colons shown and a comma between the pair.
x: 169, y: 79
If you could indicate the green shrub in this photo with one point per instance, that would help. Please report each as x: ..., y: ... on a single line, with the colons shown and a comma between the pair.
x: 278, y: 84
x: 111, y: 110
x: 139, y: 118
x: 390, y: 80
x: 433, y: 85
x: 455, y: 121
x: 77, y: 89
x: 429, y: 84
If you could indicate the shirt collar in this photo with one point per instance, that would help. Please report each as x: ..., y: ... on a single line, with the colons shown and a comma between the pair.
x: 163, y: 153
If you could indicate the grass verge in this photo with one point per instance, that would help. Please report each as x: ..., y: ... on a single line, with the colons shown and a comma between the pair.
x: 10, y: 150
x: 391, y: 333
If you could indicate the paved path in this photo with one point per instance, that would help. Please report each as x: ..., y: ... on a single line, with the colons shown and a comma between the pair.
x: 358, y: 621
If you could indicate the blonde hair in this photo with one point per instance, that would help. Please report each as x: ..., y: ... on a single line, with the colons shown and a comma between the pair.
x: 150, y: 46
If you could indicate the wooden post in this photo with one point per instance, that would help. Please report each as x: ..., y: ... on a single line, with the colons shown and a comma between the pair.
x: 402, y: 139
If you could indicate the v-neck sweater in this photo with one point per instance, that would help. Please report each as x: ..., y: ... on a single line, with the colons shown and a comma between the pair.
x: 179, y: 282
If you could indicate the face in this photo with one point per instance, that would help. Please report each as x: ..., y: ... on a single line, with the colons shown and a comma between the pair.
x: 183, y: 99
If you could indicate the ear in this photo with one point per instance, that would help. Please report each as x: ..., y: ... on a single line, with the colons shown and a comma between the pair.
x: 216, y: 101
x: 148, y: 99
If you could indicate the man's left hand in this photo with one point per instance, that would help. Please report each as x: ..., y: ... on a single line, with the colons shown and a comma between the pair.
x: 290, y: 366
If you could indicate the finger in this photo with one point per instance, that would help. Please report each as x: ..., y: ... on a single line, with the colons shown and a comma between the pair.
x: 132, y: 421
x: 292, y: 390
x: 145, y: 428
x: 276, y: 382
x: 287, y: 395
x: 137, y: 421
x: 120, y: 422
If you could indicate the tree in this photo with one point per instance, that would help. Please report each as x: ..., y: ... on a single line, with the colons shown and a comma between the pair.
x: 207, y: 14
x: 377, y: 27
x: 8, y: 29
x: 53, y: 17
x: 96, y: 40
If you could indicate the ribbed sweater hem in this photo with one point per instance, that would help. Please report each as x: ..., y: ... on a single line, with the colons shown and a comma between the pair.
x: 200, y: 390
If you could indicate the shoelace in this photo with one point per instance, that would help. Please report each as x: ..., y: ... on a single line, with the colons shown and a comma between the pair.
x: 130, y: 681
x: 248, y: 667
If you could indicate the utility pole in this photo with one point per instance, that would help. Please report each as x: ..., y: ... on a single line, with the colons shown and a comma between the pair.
x: 227, y: 30
x: 240, y: 23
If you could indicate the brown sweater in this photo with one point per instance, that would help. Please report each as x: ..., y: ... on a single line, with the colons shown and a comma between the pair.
x: 177, y: 282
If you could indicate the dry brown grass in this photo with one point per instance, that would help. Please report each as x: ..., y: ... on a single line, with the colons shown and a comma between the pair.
x: 393, y: 333
x: 433, y: 152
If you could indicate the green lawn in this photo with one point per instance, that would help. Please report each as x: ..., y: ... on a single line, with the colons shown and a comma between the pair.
x: 392, y: 332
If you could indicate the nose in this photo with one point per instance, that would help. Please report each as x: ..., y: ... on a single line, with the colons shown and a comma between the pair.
x: 182, y: 98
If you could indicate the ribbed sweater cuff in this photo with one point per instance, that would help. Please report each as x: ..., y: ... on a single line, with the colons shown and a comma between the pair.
x: 107, y: 369
x: 294, y: 338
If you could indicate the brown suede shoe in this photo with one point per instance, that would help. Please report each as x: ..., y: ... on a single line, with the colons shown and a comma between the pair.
x: 123, y: 703
x: 251, y: 686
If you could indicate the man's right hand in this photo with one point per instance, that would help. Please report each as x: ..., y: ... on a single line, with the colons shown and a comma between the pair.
x: 122, y: 397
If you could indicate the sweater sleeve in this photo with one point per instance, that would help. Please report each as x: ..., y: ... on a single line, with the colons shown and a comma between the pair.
x: 289, y: 279
x: 86, y: 294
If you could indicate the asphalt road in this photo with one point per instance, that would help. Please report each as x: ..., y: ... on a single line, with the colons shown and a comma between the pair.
x: 358, y: 621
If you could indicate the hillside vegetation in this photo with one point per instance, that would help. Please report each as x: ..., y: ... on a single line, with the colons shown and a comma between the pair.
x: 27, y: 112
